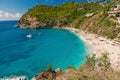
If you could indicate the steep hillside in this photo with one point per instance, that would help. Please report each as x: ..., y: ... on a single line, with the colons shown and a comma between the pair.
x: 92, y: 17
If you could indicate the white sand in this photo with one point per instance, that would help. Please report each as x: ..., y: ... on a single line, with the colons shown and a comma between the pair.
x: 97, y: 45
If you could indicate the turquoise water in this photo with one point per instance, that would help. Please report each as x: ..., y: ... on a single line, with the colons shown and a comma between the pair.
x: 20, y: 55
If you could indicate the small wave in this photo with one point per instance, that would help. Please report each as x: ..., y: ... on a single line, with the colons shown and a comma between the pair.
x: 15, y: 78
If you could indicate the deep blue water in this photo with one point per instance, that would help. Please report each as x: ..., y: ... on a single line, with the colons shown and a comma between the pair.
x: 20, y: 55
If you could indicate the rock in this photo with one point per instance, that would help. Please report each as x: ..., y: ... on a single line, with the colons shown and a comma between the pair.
x: 58, y: 70
x: 46, y: 75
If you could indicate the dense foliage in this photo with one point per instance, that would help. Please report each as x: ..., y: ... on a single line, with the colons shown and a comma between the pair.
x: 92, y: 17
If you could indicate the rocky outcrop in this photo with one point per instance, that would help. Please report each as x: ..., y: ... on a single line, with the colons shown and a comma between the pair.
x: 46, y: 75
x: 31, y: 22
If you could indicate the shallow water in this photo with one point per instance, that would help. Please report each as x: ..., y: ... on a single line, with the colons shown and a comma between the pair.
x: 20, y: 55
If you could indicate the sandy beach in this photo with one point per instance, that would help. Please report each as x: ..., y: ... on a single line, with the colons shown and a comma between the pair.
x: 97, y: 45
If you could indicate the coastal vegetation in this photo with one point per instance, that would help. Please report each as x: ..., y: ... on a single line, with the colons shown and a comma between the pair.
x: 91, y: 17
x: 95, y: 68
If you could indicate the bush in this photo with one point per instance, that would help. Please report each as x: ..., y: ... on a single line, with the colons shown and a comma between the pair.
x: 71, y: 67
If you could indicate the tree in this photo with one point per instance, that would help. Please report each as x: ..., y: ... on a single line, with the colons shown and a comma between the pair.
x: 117, y: 14
x: 49, y: 67
x: 91, y: 61
x: 104, y: 61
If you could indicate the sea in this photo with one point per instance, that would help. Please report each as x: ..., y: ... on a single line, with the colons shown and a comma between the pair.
x: 23, y: 55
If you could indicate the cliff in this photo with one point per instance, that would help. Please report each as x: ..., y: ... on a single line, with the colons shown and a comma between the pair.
x: 90, y: 17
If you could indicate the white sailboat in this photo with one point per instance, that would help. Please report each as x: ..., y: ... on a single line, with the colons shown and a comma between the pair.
x: 29, y: 36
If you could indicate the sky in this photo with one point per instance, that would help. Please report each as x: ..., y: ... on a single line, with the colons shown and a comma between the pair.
x: 14, y: 9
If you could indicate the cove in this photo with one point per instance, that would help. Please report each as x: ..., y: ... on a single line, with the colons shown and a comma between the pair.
x: 20, y: 55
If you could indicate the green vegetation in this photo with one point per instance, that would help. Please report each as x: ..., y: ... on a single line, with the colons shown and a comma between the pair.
x: 74, y: 14
x: 95, y: 68
x: 70, y: 67
x: 117, y: 14
x: 49, y: 67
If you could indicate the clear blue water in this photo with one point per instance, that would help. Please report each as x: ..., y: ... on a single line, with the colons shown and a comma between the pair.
x: 20, y: 55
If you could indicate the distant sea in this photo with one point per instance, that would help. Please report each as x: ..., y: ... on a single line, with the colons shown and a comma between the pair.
x: 20, y: 55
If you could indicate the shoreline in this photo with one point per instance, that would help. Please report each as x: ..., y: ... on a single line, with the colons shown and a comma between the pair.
x: 97, y: 45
